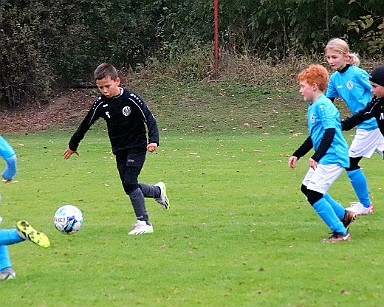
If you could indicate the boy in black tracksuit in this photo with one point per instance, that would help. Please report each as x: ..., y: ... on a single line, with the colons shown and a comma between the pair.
x: 375, y: 108
x: 127, y: 117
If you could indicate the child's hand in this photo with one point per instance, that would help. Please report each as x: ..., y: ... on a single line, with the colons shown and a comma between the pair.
x: 151, y: 147
x: 69, y: 152
x: 312, y: 163
x: 292, y: 162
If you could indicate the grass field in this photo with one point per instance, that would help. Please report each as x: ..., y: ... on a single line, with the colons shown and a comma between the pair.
x: 239, y: 231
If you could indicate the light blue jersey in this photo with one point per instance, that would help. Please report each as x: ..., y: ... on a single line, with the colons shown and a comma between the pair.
x: 322, y: 114
x: 354, y: 88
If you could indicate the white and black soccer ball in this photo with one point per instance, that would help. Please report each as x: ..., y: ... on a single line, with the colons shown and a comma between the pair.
x: 68, y: 219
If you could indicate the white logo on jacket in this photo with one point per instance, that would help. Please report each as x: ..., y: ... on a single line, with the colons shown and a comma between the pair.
x: 127, y: 110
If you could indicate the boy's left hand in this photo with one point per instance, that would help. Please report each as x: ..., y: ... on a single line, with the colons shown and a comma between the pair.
x: 151, y: 147
x: 312, y: 163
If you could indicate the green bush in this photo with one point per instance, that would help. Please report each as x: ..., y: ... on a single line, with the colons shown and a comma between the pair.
x: 49, y: 44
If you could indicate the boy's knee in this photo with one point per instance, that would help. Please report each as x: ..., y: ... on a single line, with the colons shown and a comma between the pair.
x: 313, y: 197
x: 130, y: 187
x: 353, y: 164
x: 304, y: 190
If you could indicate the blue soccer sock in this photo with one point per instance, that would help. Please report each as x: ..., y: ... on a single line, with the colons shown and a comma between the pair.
x: 9, y: 236
x: 359, y: 184
x: 339, y: 209
x: 324, y: 209
x: 5, y: 261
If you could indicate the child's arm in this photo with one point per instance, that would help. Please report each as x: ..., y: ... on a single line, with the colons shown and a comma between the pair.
x: 150, y: 121
x: 300, y: 152
x: 87, y: 122
x: 372, y: 109
x: 325, y: 143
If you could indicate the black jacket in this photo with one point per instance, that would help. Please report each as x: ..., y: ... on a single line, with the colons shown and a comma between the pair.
x: 126, y: 116
x: 375, y: 108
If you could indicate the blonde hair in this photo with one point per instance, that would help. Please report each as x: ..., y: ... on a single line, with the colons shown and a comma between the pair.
x: 315, y: 74
x: 339, y: 45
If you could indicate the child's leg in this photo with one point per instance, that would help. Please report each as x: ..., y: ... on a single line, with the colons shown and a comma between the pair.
x: 158, y: 192
x: 138, y: 204
x: 5, y: 261
x: 363, y: 145
x: 150, y: 191
x: 10, y: 168
x: 9, y: 236
x: 339, y: 209
x: 325, y: 211
x: 360, y: 186
x: 319, y: 181
x: 129, y: 167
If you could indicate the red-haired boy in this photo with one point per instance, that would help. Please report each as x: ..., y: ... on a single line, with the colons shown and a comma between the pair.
x: 331, y: 153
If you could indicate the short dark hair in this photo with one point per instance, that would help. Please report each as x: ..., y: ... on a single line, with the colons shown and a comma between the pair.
x: 105, y: 70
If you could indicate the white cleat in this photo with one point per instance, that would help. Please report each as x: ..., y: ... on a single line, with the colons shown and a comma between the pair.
x: 141, y: 227
x: 359, y: 209
x: 163, y: 199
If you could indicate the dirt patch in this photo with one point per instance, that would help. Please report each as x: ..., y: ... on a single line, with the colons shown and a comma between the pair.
x: 64, y: 110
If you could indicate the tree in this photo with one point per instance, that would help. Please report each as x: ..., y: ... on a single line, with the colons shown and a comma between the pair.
x: 47, y: 43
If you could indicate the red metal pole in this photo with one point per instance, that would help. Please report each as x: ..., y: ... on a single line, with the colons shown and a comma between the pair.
x: 216, y: 37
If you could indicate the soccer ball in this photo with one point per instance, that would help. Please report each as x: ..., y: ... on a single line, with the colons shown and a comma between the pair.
x: 68, y: 219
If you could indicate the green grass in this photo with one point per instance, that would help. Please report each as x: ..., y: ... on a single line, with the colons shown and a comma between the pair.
x: 201, y: 107
x: 239, y: 232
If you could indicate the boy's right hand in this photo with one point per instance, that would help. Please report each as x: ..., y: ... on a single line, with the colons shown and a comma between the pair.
x: 69, y: 152
x: 292, y: 162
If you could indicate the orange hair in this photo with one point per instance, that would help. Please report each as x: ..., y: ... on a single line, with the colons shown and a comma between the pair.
x: 315, y: 74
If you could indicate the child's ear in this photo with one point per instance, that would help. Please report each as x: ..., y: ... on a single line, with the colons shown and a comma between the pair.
x: 117, y: 80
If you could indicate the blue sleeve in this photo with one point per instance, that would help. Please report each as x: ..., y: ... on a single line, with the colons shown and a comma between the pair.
x: 327, y: 115
x: 363, y: 79
x: 331, y: 90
